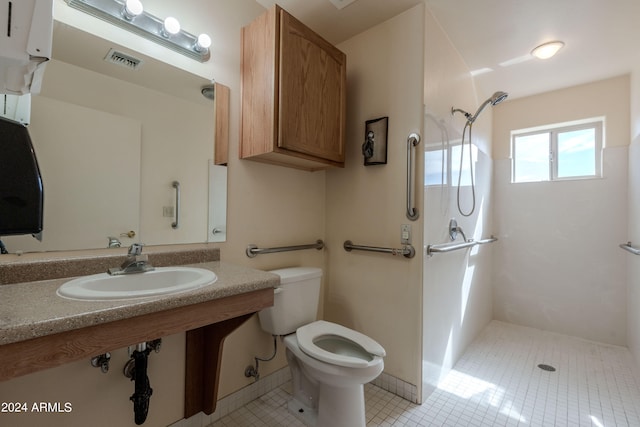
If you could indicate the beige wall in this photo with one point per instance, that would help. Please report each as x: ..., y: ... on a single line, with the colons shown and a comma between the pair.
x: 378, y: 294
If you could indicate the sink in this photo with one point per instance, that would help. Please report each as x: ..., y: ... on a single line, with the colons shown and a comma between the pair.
x: 161, y: 281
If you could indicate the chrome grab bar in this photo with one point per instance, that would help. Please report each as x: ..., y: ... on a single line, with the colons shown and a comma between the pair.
x: 407, y: 250
x: 253, y: 251
x: 454, y: 246
x: 412, y: 141
x: 485, y: 241
x: 176, y: 223
x: 629, y: 248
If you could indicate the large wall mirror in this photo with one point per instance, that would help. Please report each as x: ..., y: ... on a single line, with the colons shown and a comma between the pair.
x: 111, y: 139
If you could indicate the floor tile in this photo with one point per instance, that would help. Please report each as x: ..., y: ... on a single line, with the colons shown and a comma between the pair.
x: 497, y: 382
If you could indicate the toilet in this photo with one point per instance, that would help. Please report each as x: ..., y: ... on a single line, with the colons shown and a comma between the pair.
x: 329, y: 363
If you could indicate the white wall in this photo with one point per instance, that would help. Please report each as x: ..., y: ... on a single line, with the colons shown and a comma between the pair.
x: 557, y: 265
x: 457, y: 288
x: 374, y: 293
x: 633, y: 279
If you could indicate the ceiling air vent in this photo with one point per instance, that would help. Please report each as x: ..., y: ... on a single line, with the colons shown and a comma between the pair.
x: 123, y: 59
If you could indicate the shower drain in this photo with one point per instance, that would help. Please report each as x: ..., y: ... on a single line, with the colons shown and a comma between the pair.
x: 546, y: 367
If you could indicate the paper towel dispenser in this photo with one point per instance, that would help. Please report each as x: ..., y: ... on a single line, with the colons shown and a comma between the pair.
x: 26, y: 33
x: 21, y: 191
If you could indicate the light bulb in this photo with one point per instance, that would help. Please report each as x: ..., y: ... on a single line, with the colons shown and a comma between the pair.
x: 171, y: 27
x: 132, y: 8
x: 203, y: 43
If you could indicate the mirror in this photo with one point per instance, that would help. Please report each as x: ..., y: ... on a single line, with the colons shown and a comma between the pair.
x: 110, y: 142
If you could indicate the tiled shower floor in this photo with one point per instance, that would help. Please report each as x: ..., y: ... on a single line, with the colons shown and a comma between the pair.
x: 497, y: 383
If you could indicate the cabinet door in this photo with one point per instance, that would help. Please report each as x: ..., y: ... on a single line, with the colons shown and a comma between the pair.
x: 312, y: 95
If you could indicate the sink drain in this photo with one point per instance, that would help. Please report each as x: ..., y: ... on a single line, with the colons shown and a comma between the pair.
x: 546, y: 367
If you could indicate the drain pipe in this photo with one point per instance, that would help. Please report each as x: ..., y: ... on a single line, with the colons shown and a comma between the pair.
x: 143, y: 390
x: 136, y: 370
x: 252, y: 371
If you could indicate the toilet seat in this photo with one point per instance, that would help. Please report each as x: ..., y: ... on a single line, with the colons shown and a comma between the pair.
x: 309, y: 334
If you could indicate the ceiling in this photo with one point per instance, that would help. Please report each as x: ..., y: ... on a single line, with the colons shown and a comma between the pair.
x: 337, y: 25
x: 601, y: 37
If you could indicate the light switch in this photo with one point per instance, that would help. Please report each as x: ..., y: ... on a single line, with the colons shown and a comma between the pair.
x: 405, y: 234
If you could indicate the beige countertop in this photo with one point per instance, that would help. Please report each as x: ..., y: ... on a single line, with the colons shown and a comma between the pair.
x: 33, y: 309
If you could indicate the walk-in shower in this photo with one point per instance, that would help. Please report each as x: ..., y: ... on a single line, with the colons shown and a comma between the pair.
x: 495, y: 99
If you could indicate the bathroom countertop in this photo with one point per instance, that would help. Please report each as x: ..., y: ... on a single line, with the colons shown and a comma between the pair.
x: 33, y: 309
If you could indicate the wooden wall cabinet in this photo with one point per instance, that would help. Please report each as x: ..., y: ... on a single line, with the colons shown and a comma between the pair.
x: 293, y: 95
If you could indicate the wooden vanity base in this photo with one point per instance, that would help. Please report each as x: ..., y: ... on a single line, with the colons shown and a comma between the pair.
x: 207, y: 323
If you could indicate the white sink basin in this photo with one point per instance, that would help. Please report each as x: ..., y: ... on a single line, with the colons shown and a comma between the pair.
x: 161, y: 281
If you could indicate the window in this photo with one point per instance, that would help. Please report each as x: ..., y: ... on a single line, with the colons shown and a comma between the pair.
x: 442, y: 165
x: 561, y: 152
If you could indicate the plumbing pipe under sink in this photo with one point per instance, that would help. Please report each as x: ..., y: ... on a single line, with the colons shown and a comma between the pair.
x: 143, y: 390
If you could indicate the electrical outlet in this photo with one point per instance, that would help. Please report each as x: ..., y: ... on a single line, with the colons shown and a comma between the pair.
x: 405, y: 234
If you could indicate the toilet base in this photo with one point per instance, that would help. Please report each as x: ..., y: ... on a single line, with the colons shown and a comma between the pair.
x: 344, y: 406
x: 337, y: 407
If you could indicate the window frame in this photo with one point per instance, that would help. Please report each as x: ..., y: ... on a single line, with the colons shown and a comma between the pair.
x: 597, y: 124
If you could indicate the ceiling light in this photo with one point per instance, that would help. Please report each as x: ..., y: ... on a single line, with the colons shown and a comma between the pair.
x: 341, y: 4
x: 547, y: 50
x: 131, y: 16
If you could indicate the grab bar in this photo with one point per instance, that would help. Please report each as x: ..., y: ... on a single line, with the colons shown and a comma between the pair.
x: 407, y: 250
x: 412, y: 141
x: 485, y: 241
x: 253, y: 250
x: 454, y: 246
x: 176, y: 223
x: 629, y: 248
x: 449, y: 247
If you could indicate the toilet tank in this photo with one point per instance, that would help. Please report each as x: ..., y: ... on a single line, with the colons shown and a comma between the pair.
x: 295, y: 301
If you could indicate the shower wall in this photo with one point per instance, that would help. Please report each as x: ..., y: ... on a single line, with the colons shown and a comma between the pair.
x: 633, y: 281
x: 557, y: 265
x: 456, y: 286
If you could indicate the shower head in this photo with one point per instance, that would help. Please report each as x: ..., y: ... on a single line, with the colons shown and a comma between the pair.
x: 498, y: 97
x: 495, y: 99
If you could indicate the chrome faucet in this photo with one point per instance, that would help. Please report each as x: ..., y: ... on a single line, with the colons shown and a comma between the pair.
x: 135, y: 262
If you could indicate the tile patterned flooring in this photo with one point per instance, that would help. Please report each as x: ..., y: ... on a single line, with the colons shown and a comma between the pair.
x: 497, y: 383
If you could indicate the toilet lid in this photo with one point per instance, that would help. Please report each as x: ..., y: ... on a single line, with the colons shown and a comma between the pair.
x: 308, y: 335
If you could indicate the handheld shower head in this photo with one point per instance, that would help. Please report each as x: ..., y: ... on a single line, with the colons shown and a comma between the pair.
x: 498, y: 97
x: 495, y: 99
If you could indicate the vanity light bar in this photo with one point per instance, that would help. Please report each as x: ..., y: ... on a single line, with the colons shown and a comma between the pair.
x: 147, y: 26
